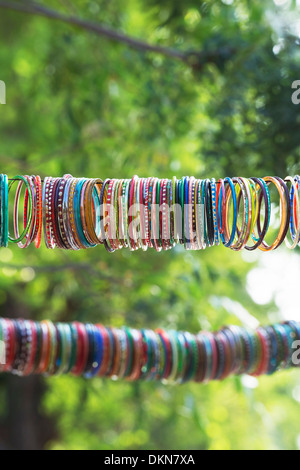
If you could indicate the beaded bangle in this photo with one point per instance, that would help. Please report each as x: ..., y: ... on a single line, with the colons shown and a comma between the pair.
x: 214, y: 210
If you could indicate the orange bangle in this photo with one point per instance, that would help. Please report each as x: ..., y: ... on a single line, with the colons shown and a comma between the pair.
x: 279, y: 239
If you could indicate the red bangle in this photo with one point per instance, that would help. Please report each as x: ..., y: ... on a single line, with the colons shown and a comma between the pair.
x: 38, y: 224
x: 263, y: 364
x: 105, y: 356
x: 148, y: 212
x: 82, y: 349
x: 168, y: 365
x: 31, y: 359
x: 161, y: 215
x: 11, y: 345
x: 116, y: 355
x: 121, y: 221
x: 154, y: 227
x: 110, y: 210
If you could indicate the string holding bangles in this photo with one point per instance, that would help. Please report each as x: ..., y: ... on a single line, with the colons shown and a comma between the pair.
x: 80, y: 213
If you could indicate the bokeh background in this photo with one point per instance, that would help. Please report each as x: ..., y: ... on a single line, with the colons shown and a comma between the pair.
x: 81, y: 104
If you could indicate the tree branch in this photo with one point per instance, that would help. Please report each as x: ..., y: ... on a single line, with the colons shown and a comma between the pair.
x: 52, y: 268
x: 195, y: 59
x: 99, y: 29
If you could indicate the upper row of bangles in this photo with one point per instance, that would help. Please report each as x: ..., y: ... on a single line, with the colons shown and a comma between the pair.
x: 75, y: 213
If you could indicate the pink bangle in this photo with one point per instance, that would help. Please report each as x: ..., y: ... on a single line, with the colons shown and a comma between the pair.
x: 38, y: 230
x: 131, y: 213
x: 148, y: 212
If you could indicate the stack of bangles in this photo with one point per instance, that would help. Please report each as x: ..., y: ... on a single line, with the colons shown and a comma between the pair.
x: 88, y: 350
x: 138, y: 213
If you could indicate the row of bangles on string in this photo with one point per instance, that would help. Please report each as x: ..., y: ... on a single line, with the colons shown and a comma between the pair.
x: 29, y: 347
x: 75, y: 213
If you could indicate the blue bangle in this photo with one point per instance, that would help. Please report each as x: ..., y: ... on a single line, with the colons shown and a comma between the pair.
x: 273, y: 361
x: 2, y: 210
x: 77, y: 215
x: 97, y: 353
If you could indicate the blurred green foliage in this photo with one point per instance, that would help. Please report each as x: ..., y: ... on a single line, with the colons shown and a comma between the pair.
x: 77, y: 103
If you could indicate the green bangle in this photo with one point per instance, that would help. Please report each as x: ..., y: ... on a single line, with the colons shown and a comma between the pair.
x: 184, y: 357
x: 146, y: 369
x: 175, y: 349
x: 130, y: 355
x: 74, y: 342
x: 63, y: 359
x: 23, y: 234
x: 162, y: 357
x: 4, y: 211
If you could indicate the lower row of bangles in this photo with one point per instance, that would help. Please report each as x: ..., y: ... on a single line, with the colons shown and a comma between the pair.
x: 75, y: 213
x: 29, y: 347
